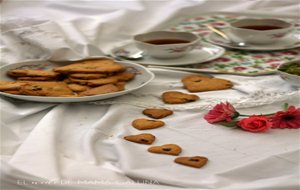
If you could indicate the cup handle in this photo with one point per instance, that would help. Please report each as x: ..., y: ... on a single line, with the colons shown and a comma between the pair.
x: 197, y: 45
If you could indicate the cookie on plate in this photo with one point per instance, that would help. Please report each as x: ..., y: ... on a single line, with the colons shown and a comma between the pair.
x: 95, y: 82
x: 36, y: 78
x: 32, y: 73
x: 171, y: 149
x: 157, y: 113
x: 46, y: 89
x: 88, y: 76
x: 92, y: 66
x: 144, y: 138
x: 199, y: 83
x: 10, y: 85
x: 120, y: 85
x: 108, y: 88
x: 194, y: 161
x: 143, y: 124
x: 15, y: 92
x: 78, y: 87
x: 174, y: 97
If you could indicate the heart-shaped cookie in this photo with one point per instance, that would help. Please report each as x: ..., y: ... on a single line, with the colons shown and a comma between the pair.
x: 198, y: 83
x: 171, y: 149
x: 144, y: 138
x: 157, y: 113
x: 143, y: 124
x: 194, y: 161
x: 174, y: 97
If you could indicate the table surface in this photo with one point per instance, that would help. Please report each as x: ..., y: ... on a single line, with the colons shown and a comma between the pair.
x: 80, y: 146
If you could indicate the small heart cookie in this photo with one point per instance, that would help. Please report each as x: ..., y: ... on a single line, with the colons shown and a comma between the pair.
x: 194, y: 161
x: 157, y: 113
x: 171, y: 149
x: 174, y: 97
x: 144, y: 138
x: 143, y: 124
x: 198, y: 83
x: 194, y: 78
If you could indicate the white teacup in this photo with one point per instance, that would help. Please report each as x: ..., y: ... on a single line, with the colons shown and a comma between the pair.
x: 165, y: 44
x: 260, y: 31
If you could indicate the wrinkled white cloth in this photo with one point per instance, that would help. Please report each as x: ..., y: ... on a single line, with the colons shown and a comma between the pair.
x: 80, y: 146
x: 247, y: 92
x: 95, y: 27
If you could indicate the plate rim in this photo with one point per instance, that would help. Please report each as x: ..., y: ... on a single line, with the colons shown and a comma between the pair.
x: 77, y: 99
x: 218, y: 55
x: 210, y: 39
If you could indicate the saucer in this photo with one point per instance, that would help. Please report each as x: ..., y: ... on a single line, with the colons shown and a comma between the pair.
x: 202, y: 53
x: 288, y: 42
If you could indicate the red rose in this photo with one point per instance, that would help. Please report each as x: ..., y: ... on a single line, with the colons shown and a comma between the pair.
x: 258, y: 56
x: 239, y: 68
x: 223, y: 59
x: 287, y: 119
x: 221, y: 112
x: 217, y: 24
x: 188, y: 27
x: 199, y: 18
x: 274, y: 65
x: 290, y: 53
x: 255, y: 124
x: 272, y: 60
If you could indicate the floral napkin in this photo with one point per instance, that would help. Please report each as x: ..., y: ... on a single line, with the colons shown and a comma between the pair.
x: 237, y: 61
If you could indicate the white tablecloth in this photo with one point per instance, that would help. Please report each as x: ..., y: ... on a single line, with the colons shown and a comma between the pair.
x: 80, y: 146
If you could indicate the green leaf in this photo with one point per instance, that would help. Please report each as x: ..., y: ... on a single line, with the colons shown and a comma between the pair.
x: 231, y: 124
x: 236, y: 115
x: 285, y: 106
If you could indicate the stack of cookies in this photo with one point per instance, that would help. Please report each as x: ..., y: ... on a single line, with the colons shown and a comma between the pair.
x: 85, y: 78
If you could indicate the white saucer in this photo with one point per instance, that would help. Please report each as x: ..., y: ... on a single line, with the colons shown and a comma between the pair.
x: 288, y: 42
x: 202, y: 53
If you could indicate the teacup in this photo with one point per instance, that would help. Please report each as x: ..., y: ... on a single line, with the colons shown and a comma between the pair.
x: 260, y: 31
x: 165, y: 44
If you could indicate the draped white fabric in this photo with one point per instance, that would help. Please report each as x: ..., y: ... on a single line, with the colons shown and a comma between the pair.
x: 80, y: 146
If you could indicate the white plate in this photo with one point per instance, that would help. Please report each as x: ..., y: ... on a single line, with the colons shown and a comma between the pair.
x: 143, y: 77
x: 288, y: 42
x: 202, y: 53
